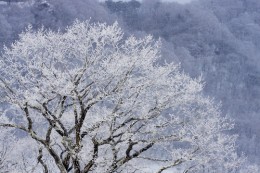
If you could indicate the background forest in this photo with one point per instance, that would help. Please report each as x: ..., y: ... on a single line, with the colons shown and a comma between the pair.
x: 216, y: 39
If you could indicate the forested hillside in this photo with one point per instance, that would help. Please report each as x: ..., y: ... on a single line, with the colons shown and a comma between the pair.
x: 216, y: 39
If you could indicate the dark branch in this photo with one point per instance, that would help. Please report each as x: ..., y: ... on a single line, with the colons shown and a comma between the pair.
x: 94, y: 156
x: 39, y: 158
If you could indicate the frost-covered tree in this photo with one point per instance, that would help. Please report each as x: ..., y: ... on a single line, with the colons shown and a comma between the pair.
x: 91, y: 100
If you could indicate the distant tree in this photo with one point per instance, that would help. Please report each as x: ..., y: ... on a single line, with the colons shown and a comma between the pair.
x: 9, y: 1
x: 127, y: 10
x: 55, y: 15
x: 89, y: 101
x: 60, y: 13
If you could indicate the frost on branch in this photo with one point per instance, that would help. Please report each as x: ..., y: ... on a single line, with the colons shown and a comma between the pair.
x: 89, y: 100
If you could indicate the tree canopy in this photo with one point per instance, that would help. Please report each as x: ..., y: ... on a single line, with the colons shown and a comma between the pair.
x: 91, y: 100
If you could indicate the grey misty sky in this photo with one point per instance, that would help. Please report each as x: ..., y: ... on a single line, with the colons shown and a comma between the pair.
x: 180, y: 1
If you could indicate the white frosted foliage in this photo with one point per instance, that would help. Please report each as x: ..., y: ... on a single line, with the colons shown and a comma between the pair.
x: 91, y: 100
